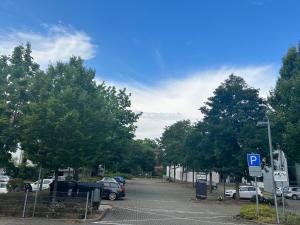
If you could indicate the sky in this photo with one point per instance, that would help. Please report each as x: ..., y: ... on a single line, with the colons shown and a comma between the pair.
x: 170, y: 55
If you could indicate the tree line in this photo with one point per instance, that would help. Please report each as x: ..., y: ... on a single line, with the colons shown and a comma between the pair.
x: 220, y: 141
x: 60, y: 117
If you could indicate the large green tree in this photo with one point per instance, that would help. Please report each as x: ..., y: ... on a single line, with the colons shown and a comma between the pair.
x: 231, y: 114
x: 285, y: 104
x: 16, y: 72
x: 173, y: 144
x: 201, y: 152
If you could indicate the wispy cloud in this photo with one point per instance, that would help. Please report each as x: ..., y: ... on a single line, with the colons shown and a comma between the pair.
x: 57, y: 43
x: 173, y: 100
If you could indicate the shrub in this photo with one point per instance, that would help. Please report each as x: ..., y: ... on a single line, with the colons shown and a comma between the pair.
x: 268, y: 201
x: 15, y: 184
x: 57, y: 209
x: 125, y: 175
x: 266, y: 213
x: 248, y: 212
x: 291, y: 219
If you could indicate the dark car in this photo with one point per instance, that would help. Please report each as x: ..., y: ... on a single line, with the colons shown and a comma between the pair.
x: 112, y: 190
x: 120, y: 180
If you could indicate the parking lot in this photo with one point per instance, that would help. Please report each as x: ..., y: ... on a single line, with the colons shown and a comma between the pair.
x: 153, y: 202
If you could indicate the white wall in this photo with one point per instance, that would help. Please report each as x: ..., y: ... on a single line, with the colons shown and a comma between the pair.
x: 188, y: 175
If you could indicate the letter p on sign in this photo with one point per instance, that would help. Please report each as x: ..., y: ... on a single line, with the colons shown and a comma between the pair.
x: 253, y: 160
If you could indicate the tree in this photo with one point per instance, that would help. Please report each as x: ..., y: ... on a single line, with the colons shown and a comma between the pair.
x: 120, y: 124
x: 16, y: 72
x: 200, y: 149
x: 285, y: 104
x: 173, y: 143
x: 232, y: 114
x: 73, y: 122
x: 141, y: 158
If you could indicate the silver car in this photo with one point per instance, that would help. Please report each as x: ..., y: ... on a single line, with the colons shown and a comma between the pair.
x: 292, y: 193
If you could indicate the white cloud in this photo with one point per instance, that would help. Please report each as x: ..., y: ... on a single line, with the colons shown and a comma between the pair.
x: 173, y: 100
x: 58, y: 43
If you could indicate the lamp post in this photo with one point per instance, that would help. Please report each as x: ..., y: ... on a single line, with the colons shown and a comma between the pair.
x: 272, y: 163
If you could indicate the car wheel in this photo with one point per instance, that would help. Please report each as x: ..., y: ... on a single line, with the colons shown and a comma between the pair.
x: 215, y: 188
x: 112, y: 196
x: 234, y: 196
x: 294, y: 197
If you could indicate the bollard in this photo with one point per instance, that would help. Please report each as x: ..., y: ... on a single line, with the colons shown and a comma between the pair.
x: 25, y: 203
x: 86, y: 205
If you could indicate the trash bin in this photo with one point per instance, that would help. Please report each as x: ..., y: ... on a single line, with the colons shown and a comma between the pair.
x: 201, y: 188
x: 95, y: 190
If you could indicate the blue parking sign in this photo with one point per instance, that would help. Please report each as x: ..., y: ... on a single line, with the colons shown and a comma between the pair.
x: 253, y: 160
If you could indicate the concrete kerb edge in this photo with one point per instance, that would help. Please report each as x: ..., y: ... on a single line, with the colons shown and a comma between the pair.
x: 102, y: 215
x: 238, y: 218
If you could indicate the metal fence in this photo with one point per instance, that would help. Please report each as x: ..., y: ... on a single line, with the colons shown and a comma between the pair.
x: 42, y: 204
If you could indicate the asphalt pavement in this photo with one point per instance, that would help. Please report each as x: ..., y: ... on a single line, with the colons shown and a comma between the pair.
x: 153, y: 202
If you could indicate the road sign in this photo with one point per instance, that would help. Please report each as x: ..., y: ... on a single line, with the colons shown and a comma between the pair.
x: 255, y: 171
x: 253, y: 160
x: 201, y: 176
x: 280, y: 176
x: 254, y: 165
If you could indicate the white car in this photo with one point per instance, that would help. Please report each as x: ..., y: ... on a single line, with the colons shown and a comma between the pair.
x: 246, y: 192
x: 46, y: 184
x: 292, y: 193
x: 3, y: 187
x: 4, y: 178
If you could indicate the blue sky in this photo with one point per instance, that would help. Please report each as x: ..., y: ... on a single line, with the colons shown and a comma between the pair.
x: 153, y: 46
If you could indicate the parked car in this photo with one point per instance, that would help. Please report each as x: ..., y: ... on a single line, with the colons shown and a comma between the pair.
x: 3, y: 187
x: 214, y: 185
x: 292, y: 193
x: 4, y: 178
x: 112, y: 190
x: 46, y: 184
x: 279, y: 190
x: 109, y: 179
x: 120, y: 180
x: 246, y: 192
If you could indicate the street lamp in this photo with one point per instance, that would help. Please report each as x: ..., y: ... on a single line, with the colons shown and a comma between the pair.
x: 263, y: 124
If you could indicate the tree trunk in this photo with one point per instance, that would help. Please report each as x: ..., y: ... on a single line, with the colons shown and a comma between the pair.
x: 55, y: 186
x: 41, y: 176
x: 237, y: 190
x: 210, y: 182
x: 169, y: 172
x: 186, y: 175
x: 224, y: 187
x: 182, y: 171
x: 76, y: 174
x: 193, y: 177
x: 174, y: 175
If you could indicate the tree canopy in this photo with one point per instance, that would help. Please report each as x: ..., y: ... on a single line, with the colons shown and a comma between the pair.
x: 285, y: 104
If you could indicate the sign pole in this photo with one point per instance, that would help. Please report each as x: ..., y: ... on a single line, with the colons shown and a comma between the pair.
x: 283, y: 207
x: 257, y: 208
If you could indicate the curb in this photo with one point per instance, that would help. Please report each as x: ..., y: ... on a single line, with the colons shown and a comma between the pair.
x: 102, y: 215
x: 237, y: 218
